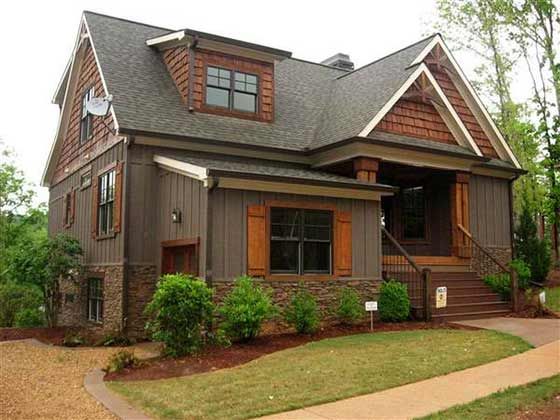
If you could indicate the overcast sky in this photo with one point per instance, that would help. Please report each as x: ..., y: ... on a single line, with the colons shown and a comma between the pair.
x: 38, y: 36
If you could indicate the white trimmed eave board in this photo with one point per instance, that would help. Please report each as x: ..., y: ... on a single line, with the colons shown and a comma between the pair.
x: 452, y: 120
x: 69, y: 93
x: 473, y: 101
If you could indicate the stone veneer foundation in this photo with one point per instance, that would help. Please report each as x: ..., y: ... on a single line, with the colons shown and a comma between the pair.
x: 142, y: 281
x: 484, y: 265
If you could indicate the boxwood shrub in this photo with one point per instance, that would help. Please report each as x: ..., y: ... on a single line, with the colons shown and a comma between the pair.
x: 394, y: 303
x: 349, y: 310
x: 302, y: 313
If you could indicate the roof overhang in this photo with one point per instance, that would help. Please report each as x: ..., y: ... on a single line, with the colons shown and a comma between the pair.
x: 218, y: 43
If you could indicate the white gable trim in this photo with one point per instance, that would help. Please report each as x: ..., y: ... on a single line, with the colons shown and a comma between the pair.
x: 192, y: 171
x: 497, y: 135
x: 422, y: 69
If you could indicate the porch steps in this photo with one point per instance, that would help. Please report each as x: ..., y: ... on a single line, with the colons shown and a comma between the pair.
x: 468, y: 297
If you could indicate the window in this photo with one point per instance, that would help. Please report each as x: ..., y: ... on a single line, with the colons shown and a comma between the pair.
x: 238, y: 92
x: 301, y: 241
x: 68, y: 208
x: 413, y: 213
x: 85, y: 179
x: 105, y: 222
x: 86, y: 121
x: 95, y: 299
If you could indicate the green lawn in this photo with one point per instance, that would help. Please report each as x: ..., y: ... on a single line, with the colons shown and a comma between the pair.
x: 553, y: 298
x: 504, y: 405
x: 319, y: 372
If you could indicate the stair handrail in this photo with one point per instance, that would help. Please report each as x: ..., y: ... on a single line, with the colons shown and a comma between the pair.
x: 401, y: 250
x: 482, y: 248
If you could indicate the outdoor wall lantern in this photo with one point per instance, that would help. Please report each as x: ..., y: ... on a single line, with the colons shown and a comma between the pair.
x: 176, y: 216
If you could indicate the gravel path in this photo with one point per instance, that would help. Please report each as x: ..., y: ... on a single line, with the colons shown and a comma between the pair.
x: 47, y: 382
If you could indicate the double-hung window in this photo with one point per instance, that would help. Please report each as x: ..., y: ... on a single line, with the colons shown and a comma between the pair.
x: 300, y: 241
x: 233, y: 90
x: 105, y: 222
x: 414, y: 213
x: 95, y: 299
x: 86, y: 121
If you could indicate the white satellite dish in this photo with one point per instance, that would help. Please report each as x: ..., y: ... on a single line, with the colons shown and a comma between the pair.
x: 99, y: 106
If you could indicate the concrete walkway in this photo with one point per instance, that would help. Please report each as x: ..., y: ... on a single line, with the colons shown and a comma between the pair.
x: 426, y: 397
x: 537, y: 331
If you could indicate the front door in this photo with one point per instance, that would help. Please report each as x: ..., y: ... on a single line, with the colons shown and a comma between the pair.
x: 180, y: 259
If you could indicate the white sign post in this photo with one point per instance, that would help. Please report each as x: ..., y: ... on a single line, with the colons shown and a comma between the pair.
x: 371, y: 306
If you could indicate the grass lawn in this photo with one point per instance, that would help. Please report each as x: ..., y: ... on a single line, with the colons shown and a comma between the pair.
x: 504, y: 405
x: 319, y: 372
x: 553, y: 298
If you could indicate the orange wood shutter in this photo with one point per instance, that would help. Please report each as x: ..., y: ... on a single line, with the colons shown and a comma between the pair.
x: 94, y: 205
x: 343, y: 243
x: 118, y: 197
x: 256, y: 240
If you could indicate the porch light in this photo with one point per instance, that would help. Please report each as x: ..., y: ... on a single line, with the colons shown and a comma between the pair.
x: 176, y: 216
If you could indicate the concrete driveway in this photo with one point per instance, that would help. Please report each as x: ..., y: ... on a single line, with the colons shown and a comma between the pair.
x: 537, y: 332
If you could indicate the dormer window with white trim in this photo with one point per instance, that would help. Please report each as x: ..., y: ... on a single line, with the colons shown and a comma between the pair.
x: 86, y: 120
x: 237, y: 93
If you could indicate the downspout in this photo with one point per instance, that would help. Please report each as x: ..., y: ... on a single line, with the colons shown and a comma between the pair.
x: 213, y: 183
x: 124, y: 230
x: 190, y: 82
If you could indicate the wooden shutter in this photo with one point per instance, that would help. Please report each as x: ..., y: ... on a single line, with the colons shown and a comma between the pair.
x: 118, y: 197
x: 64, y: 212
x: 94, y: 205
x: 343, y: 243
x: 256, y: 240
x: 72, y: 207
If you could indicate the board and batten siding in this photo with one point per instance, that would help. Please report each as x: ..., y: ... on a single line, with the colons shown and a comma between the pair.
x: 102, y: 251
x: 229, y: 231
x: 490, y: 211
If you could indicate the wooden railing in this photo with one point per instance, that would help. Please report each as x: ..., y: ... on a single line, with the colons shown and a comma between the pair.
x: 397, y: 264
x: 484, y: 263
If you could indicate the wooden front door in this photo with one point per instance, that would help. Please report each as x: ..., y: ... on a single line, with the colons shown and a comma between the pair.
x: 180, y: 259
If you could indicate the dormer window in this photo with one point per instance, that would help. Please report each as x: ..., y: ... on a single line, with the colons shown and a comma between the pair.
x: 231, y: 89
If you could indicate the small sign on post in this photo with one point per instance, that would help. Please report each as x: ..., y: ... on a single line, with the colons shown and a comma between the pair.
x: 441, y: 297
x: 542, y: 297
x: 371, y: 306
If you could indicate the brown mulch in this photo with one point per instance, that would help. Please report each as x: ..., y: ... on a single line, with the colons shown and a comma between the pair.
x: 47, y: 335
x: 214, y: 358
x: 547, y: 411
x: 553, y: 279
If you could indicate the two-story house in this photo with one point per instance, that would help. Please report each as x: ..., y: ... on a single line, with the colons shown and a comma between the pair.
x: 221, y: 157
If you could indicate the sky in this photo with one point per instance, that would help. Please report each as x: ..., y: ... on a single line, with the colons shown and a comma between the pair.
x: 37, y: 38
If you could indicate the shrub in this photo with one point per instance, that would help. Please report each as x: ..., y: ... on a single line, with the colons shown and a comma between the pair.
x: 523, y: 273
x: 302, y: 312
x: 29, y: 318
x: 499, y: 283
x: 532, y: 250
x: 115, y: 339
x: 394, y: 303
x: 121, y: 360
x: 245, y: 309
x: 72, y: 339
x: 15, y: 298
x: 349, y: 309
x: 180, y: 308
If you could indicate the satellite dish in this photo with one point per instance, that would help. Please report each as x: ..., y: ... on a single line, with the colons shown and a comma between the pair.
x: 99, y: 106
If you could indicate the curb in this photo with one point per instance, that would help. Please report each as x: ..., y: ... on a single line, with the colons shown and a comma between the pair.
x: 95, y: 386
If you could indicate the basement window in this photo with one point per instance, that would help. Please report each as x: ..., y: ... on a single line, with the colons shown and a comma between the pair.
x: 95, y: 299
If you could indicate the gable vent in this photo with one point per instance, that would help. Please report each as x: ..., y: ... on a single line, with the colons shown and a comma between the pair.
x: 340, y: 60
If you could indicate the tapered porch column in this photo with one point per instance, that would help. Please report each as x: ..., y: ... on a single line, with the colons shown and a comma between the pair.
x: 365, y: 169
x: 459, y: 196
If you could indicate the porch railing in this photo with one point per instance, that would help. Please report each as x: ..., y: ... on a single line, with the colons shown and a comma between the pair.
x: 399, y: 265
x: 484, y: 263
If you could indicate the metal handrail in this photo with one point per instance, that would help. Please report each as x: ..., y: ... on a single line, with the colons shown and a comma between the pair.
x: 401, y: 250
x: 482, y: 248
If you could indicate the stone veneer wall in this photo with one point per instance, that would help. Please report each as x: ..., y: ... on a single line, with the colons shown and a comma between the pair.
x: 73, y: 310
x: 325, y: 291
x: 142, y: 281
x: 484, y: 265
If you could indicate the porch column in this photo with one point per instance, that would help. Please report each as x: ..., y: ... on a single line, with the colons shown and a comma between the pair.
x: 365, y: 169
x: 459, y: 196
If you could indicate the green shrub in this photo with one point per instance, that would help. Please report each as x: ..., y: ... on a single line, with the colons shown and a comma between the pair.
x: 532, y: 250
x: 499, y: 283
x: 115, y: 339
x: 245, y: 309
x: 121, y: 360
x: 523, y: 273
x: 15, y: 298
x: 302, y: 313
x: 349, y: 309
x: 180, y: 308
x: 394, y: 303
x: 29, y: 318
x: 73, y: 339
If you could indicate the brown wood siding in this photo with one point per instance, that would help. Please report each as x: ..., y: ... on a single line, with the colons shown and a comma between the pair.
x: 416, y: 119
x: 71, y: 150
x: 489, y: 210
x: 177, y: 62
x: 229, y: 240
x: 104, y: 251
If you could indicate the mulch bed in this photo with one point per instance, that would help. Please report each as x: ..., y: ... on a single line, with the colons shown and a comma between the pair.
x: 47, y: 335
x: 547, y: 411
x: 214, y: 358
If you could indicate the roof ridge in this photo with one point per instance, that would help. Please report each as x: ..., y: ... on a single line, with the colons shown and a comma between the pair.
x: 389, y: 55
x: 128, y: 20
x: 318, y: 64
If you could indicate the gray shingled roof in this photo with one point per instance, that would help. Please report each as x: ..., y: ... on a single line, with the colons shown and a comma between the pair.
x: 316, y: 105
x: 269, y: 169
